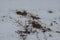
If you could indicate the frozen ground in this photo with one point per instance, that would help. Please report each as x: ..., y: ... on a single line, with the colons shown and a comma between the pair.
x: 8, y: 26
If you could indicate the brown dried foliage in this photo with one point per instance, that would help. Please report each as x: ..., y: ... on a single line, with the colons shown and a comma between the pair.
x: 34, y: 17
x: 24, y: 13
x: 36, y: 25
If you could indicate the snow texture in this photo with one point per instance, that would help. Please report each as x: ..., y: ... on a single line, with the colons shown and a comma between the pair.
x: 47, y: 10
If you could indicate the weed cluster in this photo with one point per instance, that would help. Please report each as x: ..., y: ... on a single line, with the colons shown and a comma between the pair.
x: 33, y: 24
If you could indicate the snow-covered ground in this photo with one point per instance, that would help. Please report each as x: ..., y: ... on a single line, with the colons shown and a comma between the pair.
x: 8, y: 18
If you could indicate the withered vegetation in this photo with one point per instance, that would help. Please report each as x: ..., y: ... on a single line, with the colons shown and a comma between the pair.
x: 24, y: 13
x: 25, y: 31
x: 35, y: 24
x: 34, y: 17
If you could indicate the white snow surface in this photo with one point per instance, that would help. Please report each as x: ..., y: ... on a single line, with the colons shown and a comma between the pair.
x: 36, y: 7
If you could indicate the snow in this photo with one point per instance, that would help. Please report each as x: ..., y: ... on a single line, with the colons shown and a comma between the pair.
x: 8, y: 24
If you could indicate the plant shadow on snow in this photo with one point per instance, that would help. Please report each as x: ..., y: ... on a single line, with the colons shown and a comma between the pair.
x: 33, y: 23
x: 50, y: 11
